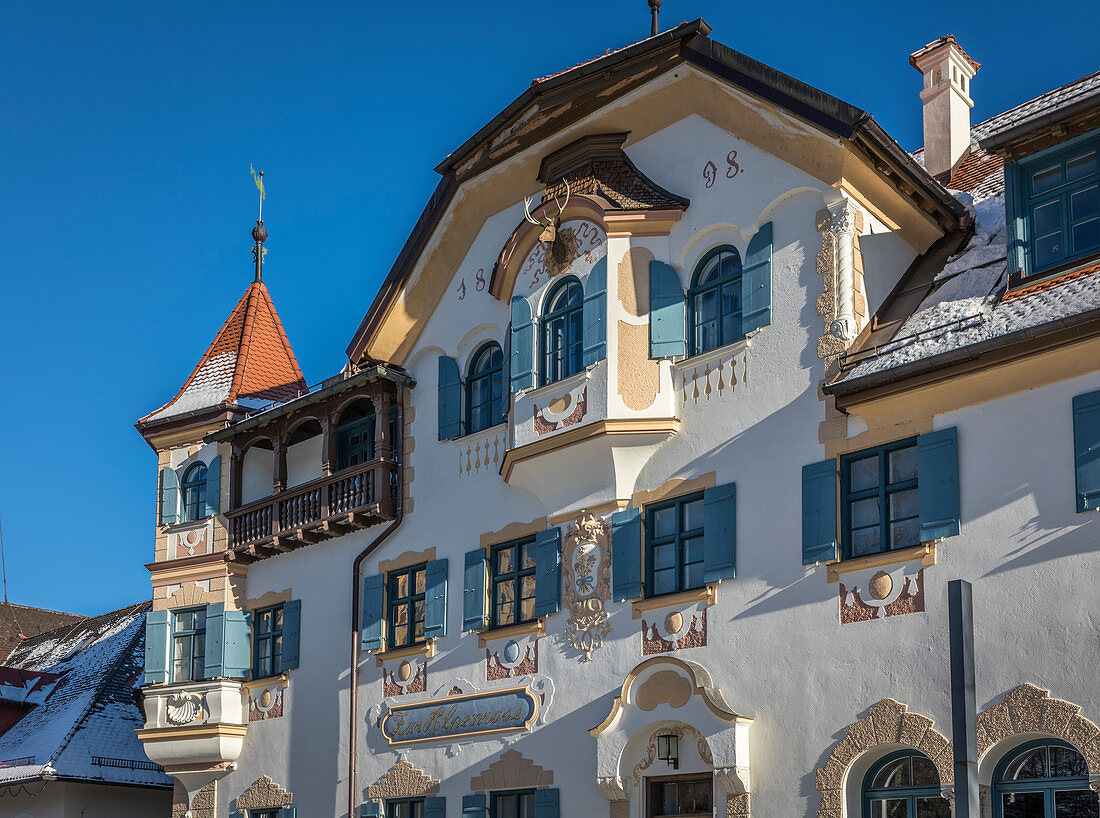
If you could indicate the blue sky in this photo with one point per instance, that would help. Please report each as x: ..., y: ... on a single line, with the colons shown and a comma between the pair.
x: 126, y: 205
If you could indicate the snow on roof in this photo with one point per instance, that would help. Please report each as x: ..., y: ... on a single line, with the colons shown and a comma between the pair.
x: 967, y: 304
x: 84, y: 730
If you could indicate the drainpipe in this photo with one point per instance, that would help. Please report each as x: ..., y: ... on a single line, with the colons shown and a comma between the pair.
x: 353, y: 729
x: 964, y: 721
x: 843, y: 224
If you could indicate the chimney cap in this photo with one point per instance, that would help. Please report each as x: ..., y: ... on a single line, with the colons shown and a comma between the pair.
x: 946, y: 39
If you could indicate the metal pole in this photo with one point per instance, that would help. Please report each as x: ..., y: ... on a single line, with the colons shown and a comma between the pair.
x: 964, y: 719
x: 654, y: 8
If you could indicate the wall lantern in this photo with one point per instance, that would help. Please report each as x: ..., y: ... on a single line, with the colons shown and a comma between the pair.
x: 668, y: 749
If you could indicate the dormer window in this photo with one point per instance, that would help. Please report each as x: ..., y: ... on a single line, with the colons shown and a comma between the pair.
x: 1054, y: 205
x: 194, y: 493
x: 714, y: 301
x: 562, y: 331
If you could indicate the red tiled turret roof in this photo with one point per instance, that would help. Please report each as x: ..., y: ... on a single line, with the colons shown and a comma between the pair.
x: 249, y: 359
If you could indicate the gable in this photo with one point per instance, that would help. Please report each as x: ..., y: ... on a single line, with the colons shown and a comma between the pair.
x: 408, y: 298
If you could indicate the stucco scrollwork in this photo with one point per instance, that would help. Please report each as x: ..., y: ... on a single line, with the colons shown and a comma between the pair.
x: 681, y: 731
x: 402, y: 780
x: 263, y: 794
x: 888, y: 722
x: 587, y: 577
x: 1029, y: 709
x: 511, y: 771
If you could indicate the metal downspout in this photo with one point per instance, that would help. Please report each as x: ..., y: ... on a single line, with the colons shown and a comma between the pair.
x: 353, y: 708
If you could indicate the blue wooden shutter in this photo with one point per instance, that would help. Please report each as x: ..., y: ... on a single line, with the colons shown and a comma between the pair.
x: 475, y: 806
x: 473, y: 591
x: 938, y: 484
x: 546, y: 803
x: 819, y: 512
x: 626, y: 554
x: 228, y: 642
x: 667, y: 325
x: 292, y: 634
x: 548, y: 571
x: 435, y: 807
x: 169, y: 497
x: 594, y: 314
x: 450, y: 399
x: 522, y: 339
x: 720, y: 533
x: 435, y: 599
x: 215, y: 634
x: 756, y: 281
x: 1086, y: 450
x: 213, y: 486
x: 370, y: 810
x: 158, y: 636
x: 373, y: 612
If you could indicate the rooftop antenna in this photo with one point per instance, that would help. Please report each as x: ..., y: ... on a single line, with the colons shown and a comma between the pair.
x: 259, y: 232
x: 655, y: 9
x: 3, y: 563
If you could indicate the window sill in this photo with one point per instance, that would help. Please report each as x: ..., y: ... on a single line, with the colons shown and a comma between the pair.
x: 536, y: 627
x: 282, y: 679
x: 426, y: 649
x: 707, y: 594
x: 926, y: 553
x: 488, y: 431
x: 180, y: 528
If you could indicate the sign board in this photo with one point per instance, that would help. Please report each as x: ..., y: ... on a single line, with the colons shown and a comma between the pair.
x: 456, y: 717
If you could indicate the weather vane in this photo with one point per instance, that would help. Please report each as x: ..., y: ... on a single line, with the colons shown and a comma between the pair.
x: 259, y: 233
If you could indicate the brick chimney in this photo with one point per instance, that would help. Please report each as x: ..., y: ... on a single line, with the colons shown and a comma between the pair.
x: 947, y: 71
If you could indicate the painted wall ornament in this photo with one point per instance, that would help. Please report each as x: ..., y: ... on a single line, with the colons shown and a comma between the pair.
x: 267, y: 702
x: 514, y: 658
x: 877, y: 593
x: 587, y: 576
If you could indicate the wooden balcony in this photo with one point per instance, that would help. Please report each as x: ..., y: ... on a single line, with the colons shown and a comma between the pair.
x: 351, y: 499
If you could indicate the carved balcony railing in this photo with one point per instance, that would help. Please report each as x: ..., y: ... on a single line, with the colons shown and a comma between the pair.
x: 351, y: 499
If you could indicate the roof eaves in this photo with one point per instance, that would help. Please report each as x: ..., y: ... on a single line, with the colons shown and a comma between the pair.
x: 1053, y: 333
x: 999, y: 139
x: 540, y: 87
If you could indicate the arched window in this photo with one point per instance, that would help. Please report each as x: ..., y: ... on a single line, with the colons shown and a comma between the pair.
x: 714, y: 300
x: 562, y: 337
x: 1043, y: 779
x: 194, y: 493
x: 485, y: 388
x: 904, y: 784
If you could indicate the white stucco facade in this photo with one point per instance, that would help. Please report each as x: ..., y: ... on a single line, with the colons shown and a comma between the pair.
x: 760, y: 674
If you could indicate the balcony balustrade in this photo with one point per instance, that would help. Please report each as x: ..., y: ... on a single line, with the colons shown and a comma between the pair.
x: 351, y: 499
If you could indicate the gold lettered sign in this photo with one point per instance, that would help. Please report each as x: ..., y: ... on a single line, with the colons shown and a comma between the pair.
x: 456, y: 717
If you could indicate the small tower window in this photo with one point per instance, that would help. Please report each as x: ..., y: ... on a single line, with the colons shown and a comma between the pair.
x: 562, y: 337
x: 714, y: 300
x: 485, y: 389
x: 194, y: 493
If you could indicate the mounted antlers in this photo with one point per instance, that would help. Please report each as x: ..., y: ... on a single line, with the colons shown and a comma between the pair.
x: 558, y: 251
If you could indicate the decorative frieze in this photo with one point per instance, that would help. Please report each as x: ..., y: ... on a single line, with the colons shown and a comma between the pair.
x: 263, y: 794
x: 889, y: 723
x: 407, y: 677
x: 268, y: 701
x: 561, y: 412
x: 676, y: 631
x: 402, y: 780
x: 1030, y: 709
x: 878, y: 592
x: 515, y: 658
x: 512, y: 772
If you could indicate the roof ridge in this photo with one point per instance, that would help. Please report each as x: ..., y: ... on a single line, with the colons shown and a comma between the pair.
x: 245, y: 340
x: 1046, y: 93
x: 103, y: 681
x: 37, y: 608
x: 85, y: 619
